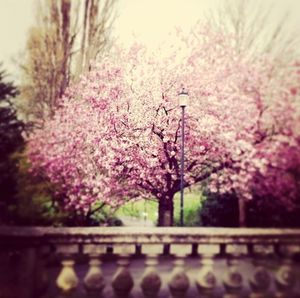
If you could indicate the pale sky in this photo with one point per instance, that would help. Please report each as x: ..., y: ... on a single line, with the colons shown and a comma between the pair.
x: 148, y: 20
x: 152, y: 20
x: 15, y: 19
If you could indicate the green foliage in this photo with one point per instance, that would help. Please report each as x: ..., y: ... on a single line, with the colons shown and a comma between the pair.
x: 219, y: 211
x: 34, y: 204
x: 23, y: 200
x: 269, y: 212
x: 223, y: 211
x: 105, y: 217
x: 11, y: 139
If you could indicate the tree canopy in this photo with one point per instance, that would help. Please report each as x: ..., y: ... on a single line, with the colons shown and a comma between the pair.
x: 115, y: 135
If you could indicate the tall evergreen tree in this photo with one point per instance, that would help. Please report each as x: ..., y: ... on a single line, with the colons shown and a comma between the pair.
x: 11, y: 139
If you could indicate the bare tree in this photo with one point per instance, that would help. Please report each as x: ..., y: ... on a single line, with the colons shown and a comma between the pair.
x: 66, y: 36
x: 259, y: 27
x: 98, y: 17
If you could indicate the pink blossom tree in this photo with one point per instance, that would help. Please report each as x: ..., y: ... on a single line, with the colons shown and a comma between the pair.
x: 116, y: 135
x: 268, y: 167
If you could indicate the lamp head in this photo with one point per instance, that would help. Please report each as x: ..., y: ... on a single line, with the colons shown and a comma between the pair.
x: 183, y: 97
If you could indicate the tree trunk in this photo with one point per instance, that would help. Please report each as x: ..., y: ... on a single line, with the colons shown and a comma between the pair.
x: 166, y: 211
x: 242, y: 212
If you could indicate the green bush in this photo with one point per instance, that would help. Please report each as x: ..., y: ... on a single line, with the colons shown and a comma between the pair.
x: 219, y: 211
x: 105, y: 217
x: 269, y: 212
x: 223, y: 211
x: 34, y: 204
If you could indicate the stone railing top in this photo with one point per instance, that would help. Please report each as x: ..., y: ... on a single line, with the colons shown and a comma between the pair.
x: 149, y: 235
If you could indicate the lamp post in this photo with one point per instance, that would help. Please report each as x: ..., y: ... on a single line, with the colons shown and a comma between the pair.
x: 183, y: 102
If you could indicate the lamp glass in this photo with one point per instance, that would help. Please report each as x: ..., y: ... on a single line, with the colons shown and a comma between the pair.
x: 183, y: 98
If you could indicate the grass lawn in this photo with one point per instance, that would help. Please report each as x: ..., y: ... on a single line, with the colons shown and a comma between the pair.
x: 149, y: 208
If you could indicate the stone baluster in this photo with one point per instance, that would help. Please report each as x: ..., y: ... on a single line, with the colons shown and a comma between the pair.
x: 233, y: 279
x: 67, y: 280
x: 206, y: 279
x: 285, y: 277
x: 179, y: 281
x: 94, y: 282
x: 122, y: 282
x: 151, y: 281
x: 260, y: 279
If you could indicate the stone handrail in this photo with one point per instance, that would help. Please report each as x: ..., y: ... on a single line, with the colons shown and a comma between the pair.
x: 260, y: 262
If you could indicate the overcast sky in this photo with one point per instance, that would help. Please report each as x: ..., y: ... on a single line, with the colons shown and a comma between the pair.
x: 15, y: 18
x: 149, y: 20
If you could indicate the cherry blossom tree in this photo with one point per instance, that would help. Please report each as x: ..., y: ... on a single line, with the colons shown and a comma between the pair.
x: 116, y: 134
x: 269, y: 167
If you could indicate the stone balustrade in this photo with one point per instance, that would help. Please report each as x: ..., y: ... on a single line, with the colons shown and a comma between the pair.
x: 149, y: 262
